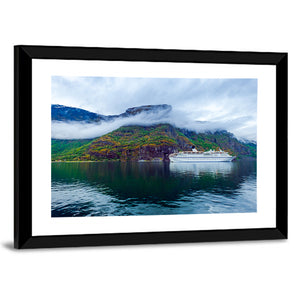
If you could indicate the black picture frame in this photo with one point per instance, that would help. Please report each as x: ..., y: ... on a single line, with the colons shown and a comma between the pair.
x: 23, y: 56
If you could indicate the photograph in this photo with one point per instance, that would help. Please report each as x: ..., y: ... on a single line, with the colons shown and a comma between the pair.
x: 126, y: 146
x: 137, y: 146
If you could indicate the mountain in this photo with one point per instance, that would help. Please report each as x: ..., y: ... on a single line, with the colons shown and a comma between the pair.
x: 223, y: 139
x: 137, y: 142
x: 156, y: 142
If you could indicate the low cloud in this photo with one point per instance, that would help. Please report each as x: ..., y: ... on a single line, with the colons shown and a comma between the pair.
x: 239, y: 126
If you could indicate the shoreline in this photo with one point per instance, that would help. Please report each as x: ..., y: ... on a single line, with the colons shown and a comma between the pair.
x: 142, y: 161
x: 97, y: 161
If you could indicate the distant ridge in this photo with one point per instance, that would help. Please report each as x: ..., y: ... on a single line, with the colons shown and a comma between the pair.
x: 70, y: 114
x: 67, y: 113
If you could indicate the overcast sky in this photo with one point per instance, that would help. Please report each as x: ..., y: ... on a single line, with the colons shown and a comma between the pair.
x: 229, y: 104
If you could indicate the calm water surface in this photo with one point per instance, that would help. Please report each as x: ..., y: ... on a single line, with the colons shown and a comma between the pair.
x: 146, y: 188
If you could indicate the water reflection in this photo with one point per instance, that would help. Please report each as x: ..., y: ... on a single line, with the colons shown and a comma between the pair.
x: 116, y: 188
x: 196, y: 169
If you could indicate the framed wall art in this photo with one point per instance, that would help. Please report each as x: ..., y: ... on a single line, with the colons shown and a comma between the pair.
x: 136, y: 146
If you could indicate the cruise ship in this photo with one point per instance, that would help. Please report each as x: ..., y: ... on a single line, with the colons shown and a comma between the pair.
x: 198, y: 156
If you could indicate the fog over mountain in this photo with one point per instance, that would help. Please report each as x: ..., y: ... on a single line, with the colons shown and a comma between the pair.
x: 74, y: 123
x: 197, y: 104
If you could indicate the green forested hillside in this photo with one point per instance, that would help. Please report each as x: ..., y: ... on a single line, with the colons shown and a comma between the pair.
x: 147, y: 143
x: 68, y: 149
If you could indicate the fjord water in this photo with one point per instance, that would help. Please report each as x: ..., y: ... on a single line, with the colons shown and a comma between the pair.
x: 152, y: 188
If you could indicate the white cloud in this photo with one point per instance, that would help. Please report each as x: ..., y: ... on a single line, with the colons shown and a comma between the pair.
x: 227, y: 103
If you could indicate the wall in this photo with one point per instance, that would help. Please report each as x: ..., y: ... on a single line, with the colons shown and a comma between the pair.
x: 245, y: 270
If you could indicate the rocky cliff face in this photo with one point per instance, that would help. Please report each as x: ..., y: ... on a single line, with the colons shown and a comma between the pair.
x: 147, y: 153
x: 139, y: 143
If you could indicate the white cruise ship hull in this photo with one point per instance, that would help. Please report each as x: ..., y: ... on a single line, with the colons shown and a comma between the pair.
x: 196, y: 159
